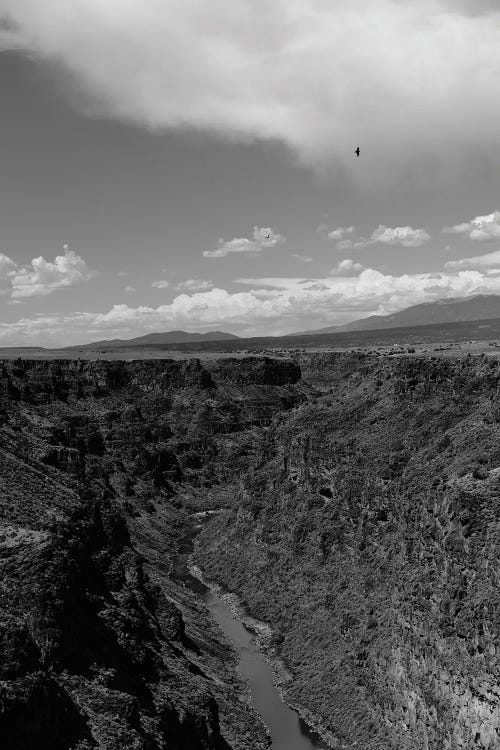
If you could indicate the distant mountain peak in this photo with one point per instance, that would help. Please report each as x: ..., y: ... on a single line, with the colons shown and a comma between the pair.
x: 161, y: 338
x: 447, y: 310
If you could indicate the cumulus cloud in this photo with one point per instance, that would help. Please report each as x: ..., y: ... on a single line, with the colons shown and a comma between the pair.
x: 194, y: 285
x: 480, y: 229
x: 269, y: 306
x: 317, y: 76
x: 263, y: 238
x: 130, y: 289
x: 42, y: 277
x: 338, y: 234
x: 347, y: 267
x: 160, y: 284
x: 302, y: 258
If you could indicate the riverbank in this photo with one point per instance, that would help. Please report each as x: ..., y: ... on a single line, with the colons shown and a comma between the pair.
x: 264, y: 640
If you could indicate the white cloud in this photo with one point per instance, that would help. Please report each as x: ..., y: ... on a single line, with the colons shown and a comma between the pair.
x: 405, y: 236
x: 194, y: 285
x: 263, y: 238
x: 270, y: 306
x: 7, y: 268
x: 130, y: 289
x: 302, y: 258
x: 318, y: 76
x: 347, y: 267
x: 338, y: 234
x: 480, y: 229
x: 490, y: 261
x: 160, y: 284
x: 347, y: 245
x: 42, y: 277
x: 382, y: 235
x: 310, y: 285
x: 227, y: 247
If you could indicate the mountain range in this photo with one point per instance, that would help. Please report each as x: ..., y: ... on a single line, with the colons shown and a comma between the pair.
x: 440, y: 312
x: 454, y: 310
x: 166, y: 337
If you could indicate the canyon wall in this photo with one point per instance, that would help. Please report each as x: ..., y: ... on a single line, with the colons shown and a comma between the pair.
x: 101, y: 467
x: 367, y: 534
x: 358, y: 514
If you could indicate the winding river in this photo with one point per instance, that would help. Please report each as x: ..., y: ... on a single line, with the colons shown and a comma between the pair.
x: 287, y: 730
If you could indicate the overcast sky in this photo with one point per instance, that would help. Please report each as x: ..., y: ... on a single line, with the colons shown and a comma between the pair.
x: 182, y: 164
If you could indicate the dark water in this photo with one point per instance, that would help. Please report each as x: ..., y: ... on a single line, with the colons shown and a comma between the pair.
x: 287, y: 730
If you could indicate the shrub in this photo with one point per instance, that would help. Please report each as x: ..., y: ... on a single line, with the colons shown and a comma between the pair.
x: 479, y: 472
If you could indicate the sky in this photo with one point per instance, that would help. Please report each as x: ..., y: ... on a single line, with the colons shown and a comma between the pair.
x: 178, y: 164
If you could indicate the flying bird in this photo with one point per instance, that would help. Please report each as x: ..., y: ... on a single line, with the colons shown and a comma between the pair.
x: 357, y: 151
x: 268, y: 235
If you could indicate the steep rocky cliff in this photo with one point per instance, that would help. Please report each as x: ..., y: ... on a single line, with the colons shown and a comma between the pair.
x: 359, y: 514
x: 368, y: 535
x: 100, y: 466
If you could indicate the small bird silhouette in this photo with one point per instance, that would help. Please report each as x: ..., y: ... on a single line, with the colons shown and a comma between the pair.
x: 268, y: 235
x: 357, y: 151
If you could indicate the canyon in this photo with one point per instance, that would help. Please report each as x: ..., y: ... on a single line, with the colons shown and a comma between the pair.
x: 350, y: 501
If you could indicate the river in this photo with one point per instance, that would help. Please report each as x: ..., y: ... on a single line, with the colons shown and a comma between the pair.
x: 287, y: 730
